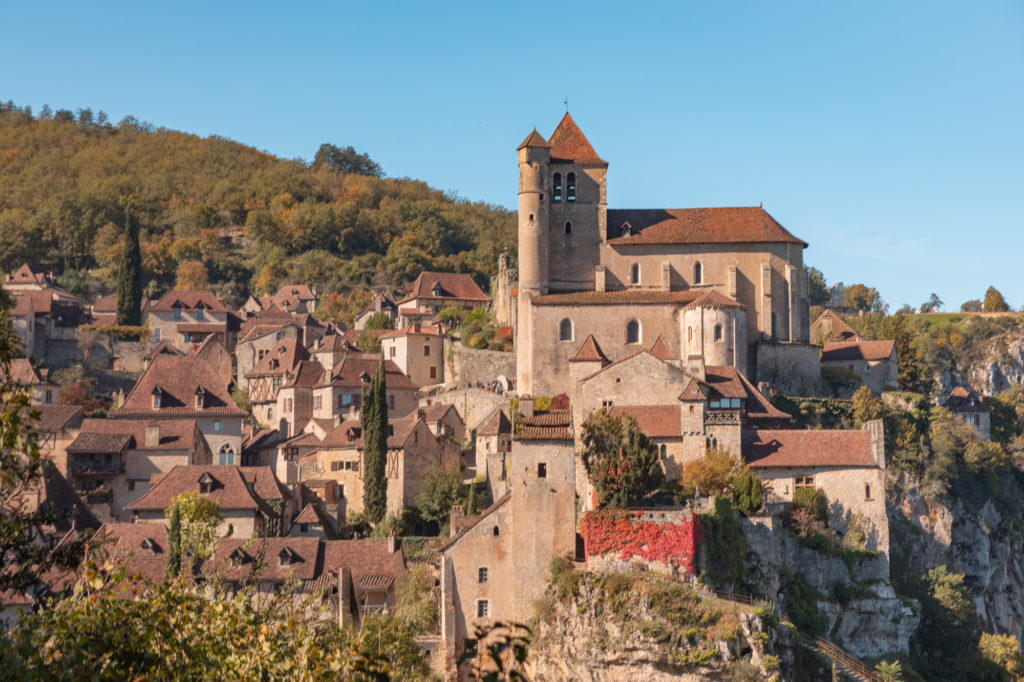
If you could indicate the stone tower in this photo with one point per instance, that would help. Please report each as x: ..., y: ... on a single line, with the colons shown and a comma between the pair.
x: 562, y: 224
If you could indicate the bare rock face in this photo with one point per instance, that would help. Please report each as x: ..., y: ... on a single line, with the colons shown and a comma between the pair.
x: 980, y: 544
x: 1000, y: 366
x: 872, y: 622
x: 587, y: 638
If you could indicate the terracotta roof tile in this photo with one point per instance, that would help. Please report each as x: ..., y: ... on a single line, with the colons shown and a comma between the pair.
x: 534, y: 139
x: 22, y: 372
x: 350, y: 371
x: 960, y: 400
x: 276, y: 558
x: 476, y: 520
x: 177, y: 378
x: 764, y: 448
x: 661, y: 350
x: 283, y: 359
x: 656, y: 421
x: 162, y: 348
x: 731, y: 225
x: 550, y: 425
x: 570, y: 145
x: 843, y: 351
x: 308, y: 374
x: 626, y: 297
x: 497, y: 424
x: 414, y: 330
x: 53, y: 418
x: 728, y: 382
x: 713, y: 299
x: 369, y: 557
x: 833, y: 328
x: 452, y: 286
x: 230, y: 489
x: 590, y: 351
x: 189, y: 300
x: 140, y: 548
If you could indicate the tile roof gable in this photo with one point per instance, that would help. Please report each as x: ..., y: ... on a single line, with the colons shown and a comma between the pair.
x: 725, y: 225
x: 570, y: 145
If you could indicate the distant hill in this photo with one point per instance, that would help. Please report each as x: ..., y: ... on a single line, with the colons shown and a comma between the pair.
x: 254, y: 220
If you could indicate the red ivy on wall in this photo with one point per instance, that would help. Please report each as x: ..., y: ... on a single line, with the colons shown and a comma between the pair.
x: 629, y: 536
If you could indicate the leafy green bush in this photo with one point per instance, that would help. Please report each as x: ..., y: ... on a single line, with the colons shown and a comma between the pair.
x: 813, y: 501
x: 747, y: 493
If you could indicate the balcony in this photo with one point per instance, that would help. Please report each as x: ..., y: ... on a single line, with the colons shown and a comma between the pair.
x: 722, y: 417
x: 97, y: 496
x: 86, y: 467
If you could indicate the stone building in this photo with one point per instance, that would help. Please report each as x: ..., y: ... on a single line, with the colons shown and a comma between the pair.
x: 829, y: 327
x: 249, y: 498
x: 260, y: 334
x: 434, y: 291
x: 413, y: 450
x: 493, y: 446
x: 971, y: 407
x: 186, y: 318
x: 277, y: 367
x: 871, y: 363
x: 848, y: 465
x: 497, y: 566
x: 36, y: 380
x: 188, y: 388
x: 382, y: 302
x: 716, y: 282
x: 418, y: 350
x: 340, y: 393
x: 55, y: 428
x: 111, y: 461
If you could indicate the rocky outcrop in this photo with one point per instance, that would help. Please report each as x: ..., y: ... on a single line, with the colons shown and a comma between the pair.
x: 871, y: 621
x: 596, y: 635
x: 994, y: 369
x: 979, y: 543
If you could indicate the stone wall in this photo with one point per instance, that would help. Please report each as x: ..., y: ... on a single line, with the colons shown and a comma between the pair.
x: 473, y: 404
x: 129, y: 356
x: 791, y: 368
x: 465, y: 366
x: 663, y: 540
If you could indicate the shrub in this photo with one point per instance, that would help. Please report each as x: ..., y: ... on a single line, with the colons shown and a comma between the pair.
x: 813, y: 501
x: 747, y: 494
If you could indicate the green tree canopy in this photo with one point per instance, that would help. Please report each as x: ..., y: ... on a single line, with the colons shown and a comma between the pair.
x: 621, y: 460
x: 346, y: 160
x: 819, y: 292
x: 994, y: 302
x: 865, y: 298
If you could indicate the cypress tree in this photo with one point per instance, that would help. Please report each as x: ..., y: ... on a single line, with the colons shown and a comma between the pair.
x: 471, y: 500
x: 374, y: 418
x: 129, y: 276
x: 174, y: 544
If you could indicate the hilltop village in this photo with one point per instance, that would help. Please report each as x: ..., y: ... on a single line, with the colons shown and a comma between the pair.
x: 693, y: 324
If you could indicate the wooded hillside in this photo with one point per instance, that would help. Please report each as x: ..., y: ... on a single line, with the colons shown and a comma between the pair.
x: 252, y: 219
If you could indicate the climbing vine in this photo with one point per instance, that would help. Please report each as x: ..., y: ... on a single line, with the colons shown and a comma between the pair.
x: 623, y: 533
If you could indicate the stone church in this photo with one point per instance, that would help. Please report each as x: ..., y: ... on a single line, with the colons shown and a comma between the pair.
x: 722, y: 286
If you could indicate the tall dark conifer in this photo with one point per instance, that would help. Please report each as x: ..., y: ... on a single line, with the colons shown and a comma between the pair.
x: 129, y: 276
x: 173, y: 568
x: 374, y: 418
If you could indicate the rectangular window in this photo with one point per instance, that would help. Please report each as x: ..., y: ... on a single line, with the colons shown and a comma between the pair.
x: 483, y: 608
x: 278, y: 336
x: 481, y: 574
x: 391, y: 401
x: 804, y: 482
x: 337, y: 466
x: 317, y: 402
x: 216, y: 425
x: 542, y: 470
x: 345, y: 400
x: 433, y: 372
x: 426, y: 351
x: 177, y: 313
x: 156, y: 334
x: 200, y: 314
x: 393, y: 350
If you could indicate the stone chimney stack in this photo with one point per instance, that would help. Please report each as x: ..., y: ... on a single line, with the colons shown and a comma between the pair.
x: 392, y: 542
x: 526, y: 406
x: 695, y: 366
x: 599, y: 278
x: 152, y: 434
x: 876, y: 431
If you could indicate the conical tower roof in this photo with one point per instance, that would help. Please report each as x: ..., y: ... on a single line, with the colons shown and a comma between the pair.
x: 570, y: 145
x: 534, y: 139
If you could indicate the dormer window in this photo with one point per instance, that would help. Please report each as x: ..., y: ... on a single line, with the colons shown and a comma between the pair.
x: 148, y: 545
x: 238, y: 557
x: 627, y: 229
x: 570, y: 187
x: 287, y: 556
x: 364, y: 378
x: 157, y: 395
x: 200, y: 397
x: 556, y: 189
x: 177, y: 312
x: 200, y: 313
x: 437, y: 290
x: 205, y: 483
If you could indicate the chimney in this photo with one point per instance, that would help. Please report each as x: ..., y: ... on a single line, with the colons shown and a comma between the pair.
x: 695, y: 366
x: 876, y: 432
x: 526, y: 405
x: 599, y: 278
x: 416, y: 328
x: 152, y: 434
x: 765, y: 389
x: 392, y: 542
x: 666, y: 277
x: 457, y: 512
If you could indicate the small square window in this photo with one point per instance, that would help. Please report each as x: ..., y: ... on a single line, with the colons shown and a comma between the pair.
x: 542, y: 470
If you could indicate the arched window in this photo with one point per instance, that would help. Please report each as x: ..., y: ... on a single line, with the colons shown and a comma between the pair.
x: 664, y: 451
x: 568, y: 228
x: 698, y: 273
x: 565, y: 330
x: 634, y: 274
x: 718, y: 332
x: 570, y: 187
x: 632, y: 332
x: 227, y: 455
x: 689, y: 333
x: 556, y: 190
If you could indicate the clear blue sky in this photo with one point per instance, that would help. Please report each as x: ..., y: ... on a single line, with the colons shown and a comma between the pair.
x: 889, y: 135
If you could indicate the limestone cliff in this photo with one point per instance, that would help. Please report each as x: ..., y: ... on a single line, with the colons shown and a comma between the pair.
x: 983, y: 544
x: 846, y: 598
x: 598, y: 627
x: 989, y: 364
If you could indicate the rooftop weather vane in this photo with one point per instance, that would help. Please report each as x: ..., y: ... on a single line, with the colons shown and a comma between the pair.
x: 566, y: 102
